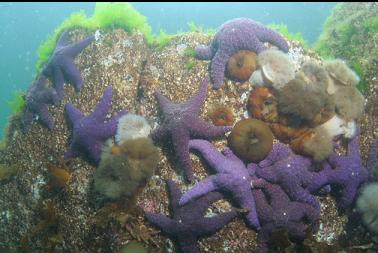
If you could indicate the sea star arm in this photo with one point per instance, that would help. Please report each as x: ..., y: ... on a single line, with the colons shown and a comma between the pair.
x: 372, y: 160
x: 103, y: 106
x: 274, y: 38
x: 45, y: 116
x: 199, y: 189
x: 58, y: 81
x: 263, y: 238
x: 264, y: 210
x: 72, y: 74
x: 109, y: 128
x: 71, y: 152
x: 27, y: 119
x: 174, y: 195
x: 348, y: 194
x: 73, y: 113
x: 160, y: 133
x: 195, y: 102
x: 210, y: 153
x: 75, y: 48
x: 188, y: 245
x: 215, y: 223
x: 180, y: 139
x: 297, y: 230
x: 63, y: 39
x: 166, y: 224
x: 268, y: 173
x: 203, y: 52
x: 201, y: 129
x: 227, y: 152
x: 218, y: 65
x: 163, y: 102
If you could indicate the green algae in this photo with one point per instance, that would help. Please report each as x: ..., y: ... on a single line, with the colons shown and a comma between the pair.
x: 107, y: 16
x: 193, y: 27
x: 190, y: 52
x: 190, y: 63
x: 162, y: 40
x: 284, y: 30
x: 17, y: 104
x: 348, y: 34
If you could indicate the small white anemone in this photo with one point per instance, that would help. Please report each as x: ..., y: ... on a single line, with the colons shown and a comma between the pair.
x: 276, y: 67
x: 256, y: 78
x: 337, y: 126
x: 131, y: 126
x: 367, y: 204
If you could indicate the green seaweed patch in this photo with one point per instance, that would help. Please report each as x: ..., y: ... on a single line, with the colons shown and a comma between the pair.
x: 284, y: 30
x: 17, y: 104
x: 106, y: 16
x: 162, y: 40
x: 190, y: 52
x: 189, y: 65
x: 362, y: 86
x: 371, y: 25
x: 193, y: 27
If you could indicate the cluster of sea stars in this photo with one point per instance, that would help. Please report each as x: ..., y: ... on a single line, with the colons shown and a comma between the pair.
x: 59, y: 68
x: 277, y: 193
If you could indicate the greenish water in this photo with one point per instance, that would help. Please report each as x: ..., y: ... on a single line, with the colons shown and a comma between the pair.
x: 24, y: 26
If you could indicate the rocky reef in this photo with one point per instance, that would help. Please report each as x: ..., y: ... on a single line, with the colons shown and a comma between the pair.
x: 50, y: 204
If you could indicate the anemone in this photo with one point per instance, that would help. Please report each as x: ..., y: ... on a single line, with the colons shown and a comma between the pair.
x: 241, y: 65
x: 122, y: 174
x: 221, y: 115
x: 341, y: 75
x: 262, y: 104
x: 251, y: 140
x: 367, y: 204
x: 131, y: 126
x: 306, y: 95
x: 276, y: 67
x: 349, y: 103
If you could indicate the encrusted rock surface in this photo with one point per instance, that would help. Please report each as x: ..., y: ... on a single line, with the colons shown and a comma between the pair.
x: 135, y: 71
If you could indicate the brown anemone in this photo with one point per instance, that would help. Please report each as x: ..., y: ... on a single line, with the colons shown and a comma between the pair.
x: 262, y: 104
x: 241, y: 65
x: 251, y: 140
x: 222, y: 115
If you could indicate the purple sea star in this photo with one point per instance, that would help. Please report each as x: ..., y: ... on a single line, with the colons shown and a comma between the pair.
x: 232, y: 176
x: 282, y: 213
x: 372, y: 160
x: 37, y: 99
x: 234, y: 35
x: 188, y: 223
x: 89, y: 132
x: 61, y: 67
x: 290, y: 171
x: 181, y: 122
x: 346, y: 171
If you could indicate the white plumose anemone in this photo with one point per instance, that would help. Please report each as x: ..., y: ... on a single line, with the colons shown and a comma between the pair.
x: 131, y: 126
